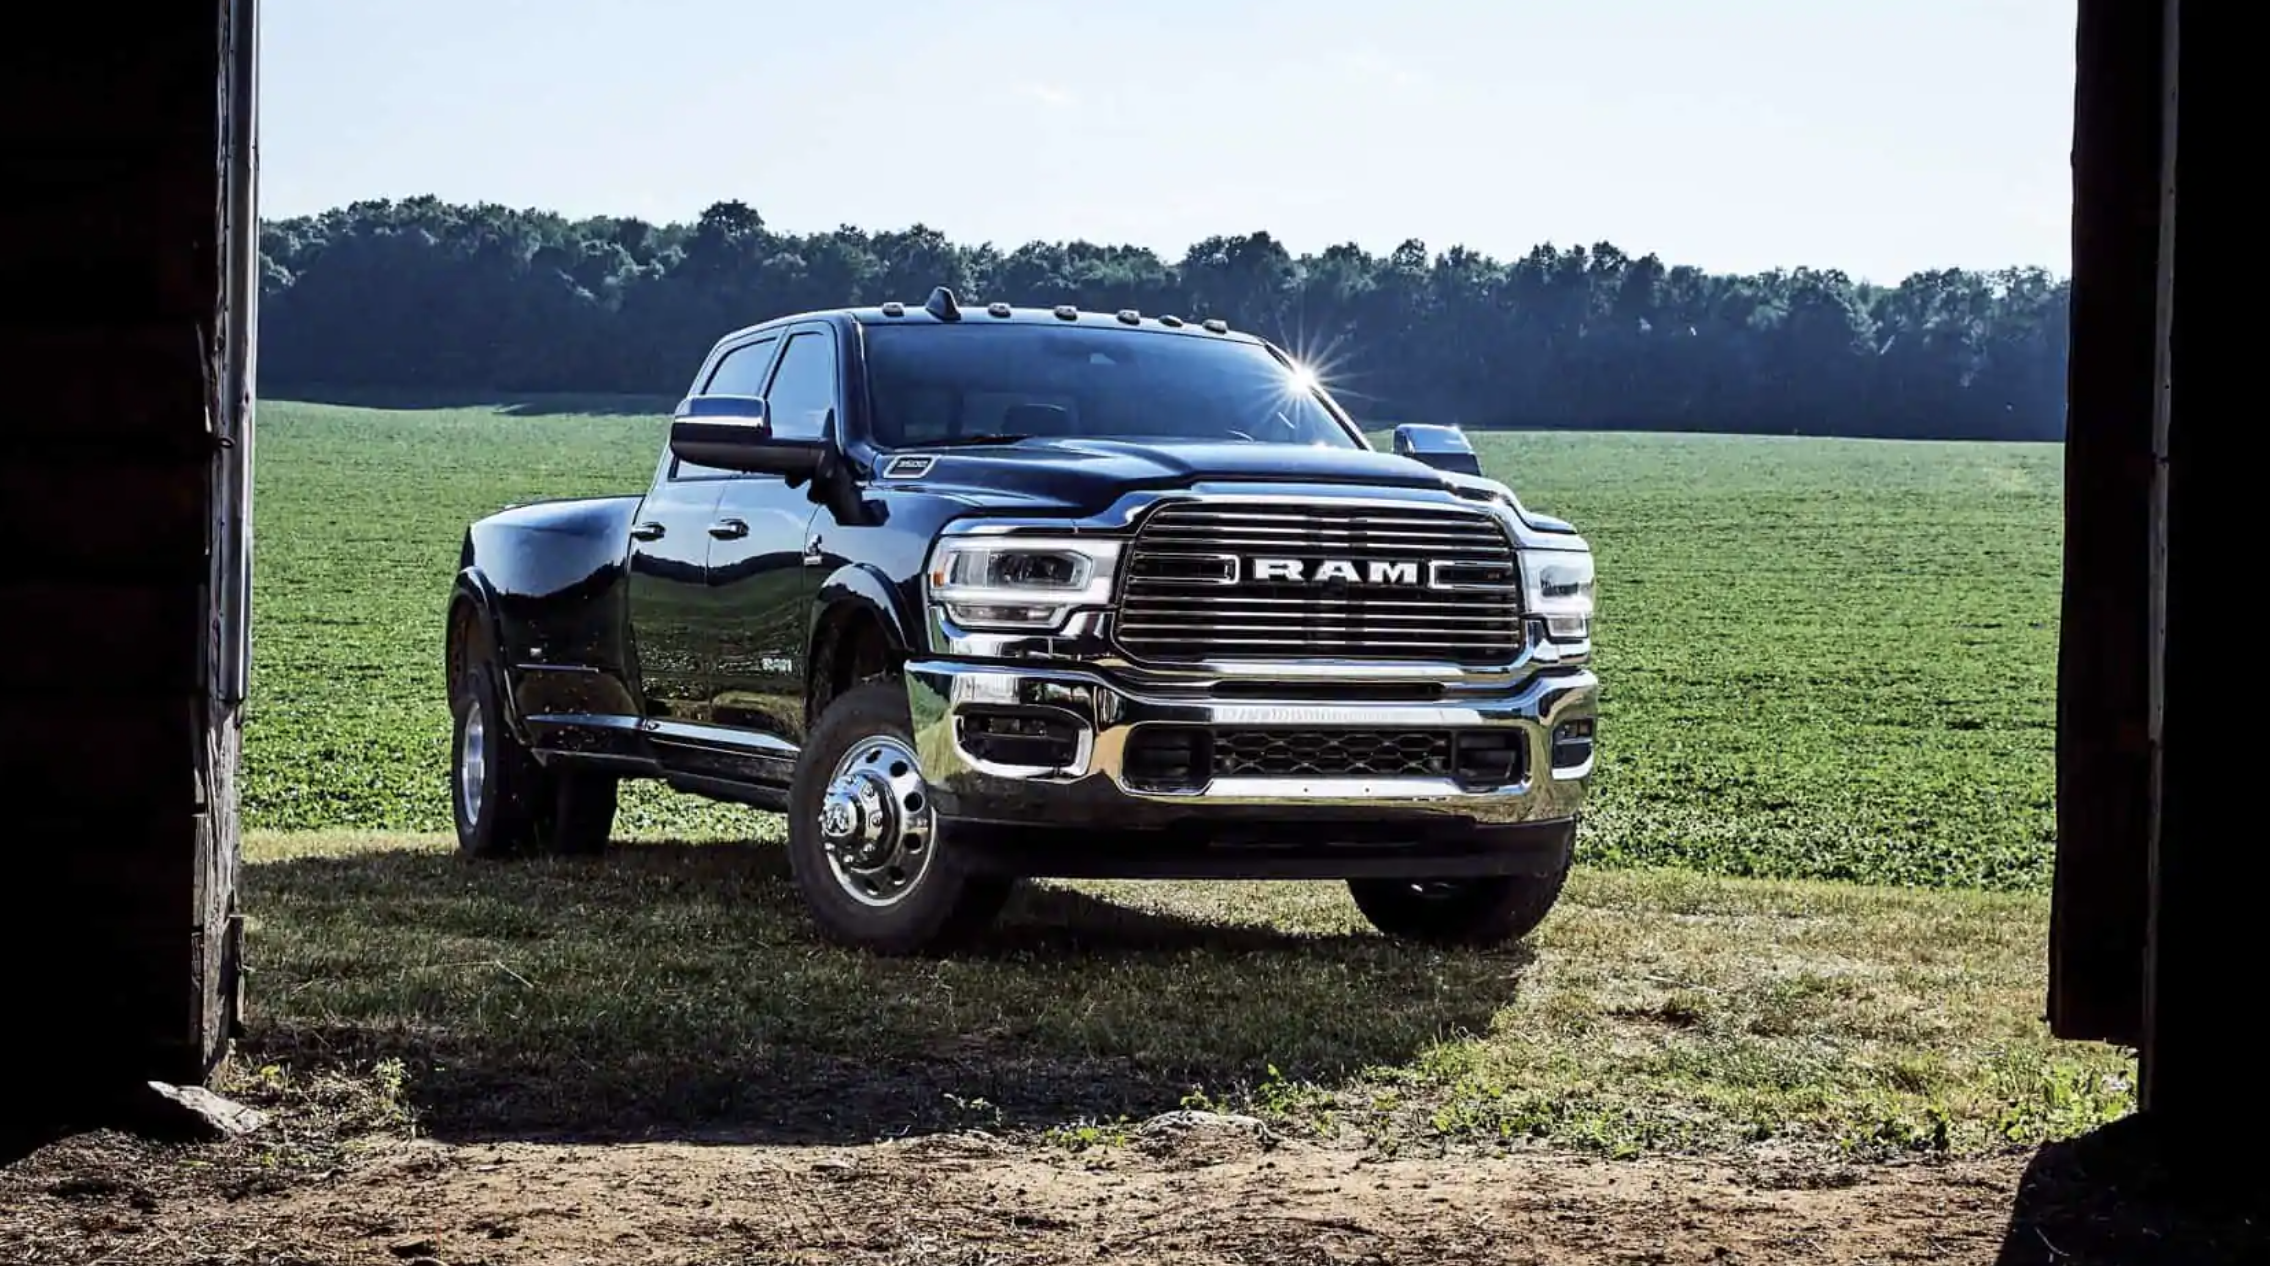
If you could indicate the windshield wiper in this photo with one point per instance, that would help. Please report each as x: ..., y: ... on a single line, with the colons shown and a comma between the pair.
x: 957, y: 440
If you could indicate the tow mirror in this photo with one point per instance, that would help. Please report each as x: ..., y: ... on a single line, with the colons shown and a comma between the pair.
x: 1442, y: 447
x: 735, y: 433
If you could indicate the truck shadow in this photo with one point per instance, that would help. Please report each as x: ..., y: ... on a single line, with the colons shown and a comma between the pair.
x: 2122, y: 1193
x: 677, y: 990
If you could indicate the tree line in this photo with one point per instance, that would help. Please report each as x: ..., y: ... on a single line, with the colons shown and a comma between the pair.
x: 427, y: 296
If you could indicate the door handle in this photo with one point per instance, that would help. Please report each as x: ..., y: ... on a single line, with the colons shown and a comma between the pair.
x: 647, y: 531
x: 729, y: 529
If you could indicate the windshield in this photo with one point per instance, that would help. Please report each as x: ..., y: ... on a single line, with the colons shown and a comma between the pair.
x: 941, y: 383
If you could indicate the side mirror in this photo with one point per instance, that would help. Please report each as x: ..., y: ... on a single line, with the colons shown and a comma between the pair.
x: 735, y: 433
x: 1442, y: 447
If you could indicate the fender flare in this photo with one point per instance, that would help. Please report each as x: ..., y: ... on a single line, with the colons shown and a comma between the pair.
x: 860, y: 587
x: 472, y: 589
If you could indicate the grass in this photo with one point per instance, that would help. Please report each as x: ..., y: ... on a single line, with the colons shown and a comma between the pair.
x: 1825, y: 659
x: 673, y: 989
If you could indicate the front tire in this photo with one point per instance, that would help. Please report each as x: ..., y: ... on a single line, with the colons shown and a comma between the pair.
x: 863, y: 838
x: 505, y: 802
x: 1497, y: 910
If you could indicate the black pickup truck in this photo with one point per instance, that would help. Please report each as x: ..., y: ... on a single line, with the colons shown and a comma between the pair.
x: 980, y: 594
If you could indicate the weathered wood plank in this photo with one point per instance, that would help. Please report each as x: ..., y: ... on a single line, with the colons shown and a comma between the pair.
x: 2103, y: 679
x: 213, y: 889
x: 2209, y: 869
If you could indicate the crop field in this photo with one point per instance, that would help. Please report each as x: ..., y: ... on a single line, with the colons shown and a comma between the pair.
x: 1825, y: 659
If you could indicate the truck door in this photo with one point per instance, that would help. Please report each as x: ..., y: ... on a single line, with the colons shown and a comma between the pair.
x: 760, y: 581
x: 670, y: 610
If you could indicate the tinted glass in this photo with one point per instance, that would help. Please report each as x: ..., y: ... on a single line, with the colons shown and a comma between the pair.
x: 803, y: 388
x: 936, y: 382
x: 741, y: 373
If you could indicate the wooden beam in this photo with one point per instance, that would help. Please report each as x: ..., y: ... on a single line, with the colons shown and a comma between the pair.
x: 119, y: 473
x: 2097, y: 930
x: 2209, y: 869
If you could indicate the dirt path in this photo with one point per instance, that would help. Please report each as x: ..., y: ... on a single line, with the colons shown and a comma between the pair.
x: 1212, y: 1195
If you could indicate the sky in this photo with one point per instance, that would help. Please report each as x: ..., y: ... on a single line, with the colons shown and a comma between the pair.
x: 1881, y: 137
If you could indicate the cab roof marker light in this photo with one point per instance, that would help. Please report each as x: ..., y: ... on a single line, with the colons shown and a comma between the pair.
x: 997, y: 309
x: 894, y: 309
x: 1217, y: 325
x: 1066, y: 312
x: 1171, y: 321
x: 1129, y: 316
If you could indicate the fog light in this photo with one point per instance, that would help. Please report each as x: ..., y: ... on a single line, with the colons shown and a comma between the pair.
x: 1488, y: 758
x: 1028, y: 739
x: 1169, y: 758
x: 1572, y: 744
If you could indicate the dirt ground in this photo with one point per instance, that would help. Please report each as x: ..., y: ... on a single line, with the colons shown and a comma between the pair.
x: 1212, y: 1192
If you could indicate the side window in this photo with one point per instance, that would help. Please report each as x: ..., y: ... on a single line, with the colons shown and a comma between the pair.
x: 803, y: 388
x: 741, y: 373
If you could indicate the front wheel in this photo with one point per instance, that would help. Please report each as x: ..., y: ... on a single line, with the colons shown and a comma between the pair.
x: 1493, y: 911
x: 863, y: 838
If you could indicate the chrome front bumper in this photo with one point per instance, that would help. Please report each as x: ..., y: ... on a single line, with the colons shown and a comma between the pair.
x: 1085, y: 817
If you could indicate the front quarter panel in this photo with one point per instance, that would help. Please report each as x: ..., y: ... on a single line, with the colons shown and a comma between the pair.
x: 876, y: 561
x: 874, y: 594
x: 554, y: 575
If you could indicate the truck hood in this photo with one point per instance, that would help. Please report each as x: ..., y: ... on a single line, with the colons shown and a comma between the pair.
x: 1086, y: 475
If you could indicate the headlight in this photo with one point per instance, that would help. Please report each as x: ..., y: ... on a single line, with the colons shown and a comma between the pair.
x: 1556, y: 585
x: 1000, y: 582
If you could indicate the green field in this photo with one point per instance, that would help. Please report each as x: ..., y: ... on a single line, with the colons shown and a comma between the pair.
x: 1826, y: 659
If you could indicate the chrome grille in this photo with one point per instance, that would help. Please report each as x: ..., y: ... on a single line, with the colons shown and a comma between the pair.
x: 1178, y: 603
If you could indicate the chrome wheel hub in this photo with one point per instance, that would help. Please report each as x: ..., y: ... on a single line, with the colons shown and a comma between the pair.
x: 473, y: 764
x: 876, y: 821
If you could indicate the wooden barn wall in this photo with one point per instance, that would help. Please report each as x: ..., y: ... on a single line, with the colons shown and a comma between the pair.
x: 116, y: 747
x: 2156, y: 939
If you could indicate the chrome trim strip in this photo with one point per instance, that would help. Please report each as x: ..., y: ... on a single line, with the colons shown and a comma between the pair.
x: 722, y: 738
x: 1121, y: 514
x: 1566, y: 772
x: 1085, y: 642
